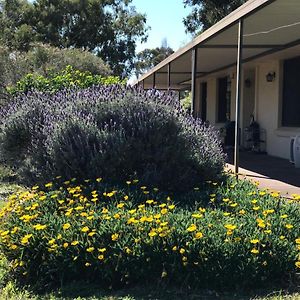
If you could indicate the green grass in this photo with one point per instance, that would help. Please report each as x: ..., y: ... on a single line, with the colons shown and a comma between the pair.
x: 91, y: 292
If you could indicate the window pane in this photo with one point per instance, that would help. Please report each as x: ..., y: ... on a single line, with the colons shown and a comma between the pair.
x: 291, y: 93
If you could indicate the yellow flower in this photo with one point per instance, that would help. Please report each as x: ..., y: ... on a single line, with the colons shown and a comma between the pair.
x: 102, y: 250
x: 164, y: 211
x: 226, y: 214
x: 120, y: 205
x: 171, y: 207
x: 202, y: 210
x: 152, y: 233
x: 297, y: 264
x: 198, y: 235
x: 254, y: 241
x: 289, y: 226
x: 126, y: 197
x: 268, y: 231
x: 39, y: 227
x: 114, y: 237
x: 92, y: 233
x: 256, y: 208
x: 85, y: 229
x: 66, y: 226
x: 65, y: 245
x: 13, y: 247
x: 181, y: 251
x: 25, y: 239
x: 98, y: 179
x: 175, y: 248
x: 5, y: 233
x: 297, y: 241
x: 254, y: 251
x: 164, y: 274
x: 275, y: 194
x: 101, y: 257
x: 51, y: 242
x: 90, y: 249
x: 74, y: 243
x: 192, y: 228
x: 284, y: 216
x: 242, y: 212
x: 87, y: 264
x: 197, y: 216
x: 261, y: 223
x: 48, y: 185
x: 104, y: 210
x: 234, y: 205
x: 184, y: 258
x: 230, y: 226
x: 111, y: 194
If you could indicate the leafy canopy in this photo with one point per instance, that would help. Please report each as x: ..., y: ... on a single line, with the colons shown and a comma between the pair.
x: 206, y: 13
x: 148, y: 58
x: 109, y: 28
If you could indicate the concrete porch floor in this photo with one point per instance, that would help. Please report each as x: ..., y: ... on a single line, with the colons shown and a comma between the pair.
x: 275, y: 174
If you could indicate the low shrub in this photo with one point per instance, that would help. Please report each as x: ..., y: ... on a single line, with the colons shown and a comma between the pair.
x: 67, y: 78
x: 110, y: 131
x: 64, y: 232
x: 42, y: 61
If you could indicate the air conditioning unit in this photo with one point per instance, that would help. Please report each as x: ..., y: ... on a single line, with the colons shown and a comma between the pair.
x: 295, y: 151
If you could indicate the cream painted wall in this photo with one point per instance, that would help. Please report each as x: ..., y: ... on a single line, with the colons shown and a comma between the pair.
x: 267, y: 109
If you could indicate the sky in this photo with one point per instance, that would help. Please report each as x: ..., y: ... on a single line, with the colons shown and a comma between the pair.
x: 165, y: 19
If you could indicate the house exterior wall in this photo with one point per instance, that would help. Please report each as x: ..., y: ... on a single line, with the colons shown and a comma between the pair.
x: 267, y: 102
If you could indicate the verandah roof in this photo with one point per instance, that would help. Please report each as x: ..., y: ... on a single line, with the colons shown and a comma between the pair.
x: 269, y: 26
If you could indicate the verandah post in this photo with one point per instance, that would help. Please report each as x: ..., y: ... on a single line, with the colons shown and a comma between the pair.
x: 238, y: 96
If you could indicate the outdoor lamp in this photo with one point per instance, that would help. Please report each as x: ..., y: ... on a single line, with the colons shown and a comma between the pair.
x: 270, y: 76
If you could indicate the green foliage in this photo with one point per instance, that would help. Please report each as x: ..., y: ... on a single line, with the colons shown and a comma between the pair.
x: 186, y: 101
x: 44, y: 60
x: 148, y: 58
x: 67, y: 78
x: 108, y: 28
x: 205, y: 13
x: 64, y: 231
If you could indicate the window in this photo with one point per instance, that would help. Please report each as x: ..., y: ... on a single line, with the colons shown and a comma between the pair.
x: 291, y: 93
x: 224, y: 98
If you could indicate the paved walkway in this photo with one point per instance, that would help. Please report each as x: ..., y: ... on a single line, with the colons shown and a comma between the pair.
x: 271, y: 173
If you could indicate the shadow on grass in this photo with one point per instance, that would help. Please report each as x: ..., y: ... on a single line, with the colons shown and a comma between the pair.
x: 160, y: 292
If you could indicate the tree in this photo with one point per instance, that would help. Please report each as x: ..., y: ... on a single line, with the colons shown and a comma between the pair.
x: 206, y: 13
x: 148, y: 58
x: 108, y: 28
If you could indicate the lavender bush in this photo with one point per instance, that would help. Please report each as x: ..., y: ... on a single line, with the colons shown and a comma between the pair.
x: 113, y: 132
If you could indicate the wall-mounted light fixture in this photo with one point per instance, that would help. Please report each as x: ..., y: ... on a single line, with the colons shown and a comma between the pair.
x: 270, y: 77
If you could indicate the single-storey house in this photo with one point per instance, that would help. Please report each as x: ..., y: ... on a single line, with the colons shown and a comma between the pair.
x: 245, y: 66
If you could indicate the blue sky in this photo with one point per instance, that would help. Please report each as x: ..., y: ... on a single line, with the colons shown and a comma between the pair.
x: 165, y: 19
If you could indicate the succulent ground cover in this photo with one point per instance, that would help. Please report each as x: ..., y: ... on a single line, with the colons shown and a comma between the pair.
x: 237, y: 237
